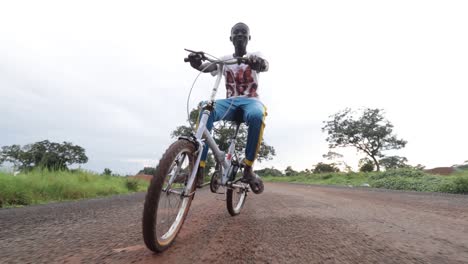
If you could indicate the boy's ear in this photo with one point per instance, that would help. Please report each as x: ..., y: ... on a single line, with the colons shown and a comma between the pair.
x: 230, y: 38
x: 250, y: 37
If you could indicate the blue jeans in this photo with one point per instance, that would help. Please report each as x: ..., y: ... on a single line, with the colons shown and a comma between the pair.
x: 241, y: 109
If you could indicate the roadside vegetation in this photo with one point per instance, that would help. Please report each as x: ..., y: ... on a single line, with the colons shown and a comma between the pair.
x: 372, y: 134
x: 42, y: 185
x: 43, y: 175
x: 397, y: 179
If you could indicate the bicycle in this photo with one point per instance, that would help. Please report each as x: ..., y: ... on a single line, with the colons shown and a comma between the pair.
x: 173, y: 187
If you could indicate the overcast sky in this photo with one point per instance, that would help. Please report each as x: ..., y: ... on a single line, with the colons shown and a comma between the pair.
x: 109, y: 76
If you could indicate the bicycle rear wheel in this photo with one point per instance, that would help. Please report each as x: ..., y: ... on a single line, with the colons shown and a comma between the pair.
x: 235, y: 198
x: 165, y: 208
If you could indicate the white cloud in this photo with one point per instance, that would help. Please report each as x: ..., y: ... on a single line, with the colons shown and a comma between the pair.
x: 109, y: 75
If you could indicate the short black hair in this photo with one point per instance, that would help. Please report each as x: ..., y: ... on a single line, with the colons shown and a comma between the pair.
x: 240, y: 23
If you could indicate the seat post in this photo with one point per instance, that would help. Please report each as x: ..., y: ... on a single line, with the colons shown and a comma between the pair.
x: 238, y: 124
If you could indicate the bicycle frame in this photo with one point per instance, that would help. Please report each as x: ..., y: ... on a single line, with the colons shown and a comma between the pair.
x: 203, y: 137
x: 163, y: 218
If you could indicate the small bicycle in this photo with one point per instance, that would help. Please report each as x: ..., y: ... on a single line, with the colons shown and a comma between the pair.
x: 173, y: 187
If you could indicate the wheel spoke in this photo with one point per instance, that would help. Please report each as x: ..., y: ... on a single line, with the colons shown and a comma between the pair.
x: 165, y: 208
x: 170, y: 204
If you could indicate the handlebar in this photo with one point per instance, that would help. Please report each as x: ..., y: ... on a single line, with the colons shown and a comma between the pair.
x: 220, y: 66
x: 228, y: 62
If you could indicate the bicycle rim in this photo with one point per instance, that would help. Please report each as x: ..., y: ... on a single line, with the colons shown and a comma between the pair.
x: 235, y: 199
x: 165, y: 208
x: 172, y: 206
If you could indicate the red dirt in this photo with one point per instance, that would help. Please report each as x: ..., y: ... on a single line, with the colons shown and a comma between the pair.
x: 288, y: 223
x: 145, y: 177
x: 441, y: 170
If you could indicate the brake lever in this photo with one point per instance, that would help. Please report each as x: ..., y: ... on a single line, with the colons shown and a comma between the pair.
x: 192, y: 51
x: 201, y: 53
x: 203, y: 57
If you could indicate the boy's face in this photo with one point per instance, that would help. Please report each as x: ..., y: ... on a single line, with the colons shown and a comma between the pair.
x: 240, y: 35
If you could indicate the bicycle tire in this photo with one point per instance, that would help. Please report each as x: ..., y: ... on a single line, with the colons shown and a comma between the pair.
x: 215, y: 181
x: 153, y: 238
x: 235, y: 205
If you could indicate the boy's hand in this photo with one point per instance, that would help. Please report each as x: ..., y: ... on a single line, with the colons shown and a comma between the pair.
x: 257, y: 63
x: 195, y: 60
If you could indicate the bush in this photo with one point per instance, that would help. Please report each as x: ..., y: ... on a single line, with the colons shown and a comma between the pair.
x: 21, y: 198
x: 409, y: 173
x: 423, y: 184
x: 326, y: 176
x: 367, y: 167
x: 132, y: 184
x: 11, y: 194
x: 460, y: 184
x: 399, y: 179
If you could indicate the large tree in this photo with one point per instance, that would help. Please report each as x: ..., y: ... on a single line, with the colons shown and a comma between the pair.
x: 269, y: 172
x: 45, y: 154
x: 289, y: 171
x: 223, y: 132
x: 367, y: 130
x: 393, y: 162
x: 324, y: 168
x: 338, y: 161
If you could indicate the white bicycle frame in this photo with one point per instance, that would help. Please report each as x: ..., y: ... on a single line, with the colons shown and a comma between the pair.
x: 203, y: 137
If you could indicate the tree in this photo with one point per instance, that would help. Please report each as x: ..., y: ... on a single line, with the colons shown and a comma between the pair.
x: 366, y: 165
x: 289, y: 171
x: 107, y: 171
x: 45, y: 154
x: 393, y: 162
x: 12, y: 154
x: 369, y: 132
x: 148, y: 171
x: 269, y: 172
x: 324, y: 168
x: 331, y: 155
x: 338, y: 162
x: 223, y: 132
x: 419, y: 167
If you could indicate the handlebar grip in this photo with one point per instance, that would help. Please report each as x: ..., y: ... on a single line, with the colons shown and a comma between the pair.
x: 186, y: 60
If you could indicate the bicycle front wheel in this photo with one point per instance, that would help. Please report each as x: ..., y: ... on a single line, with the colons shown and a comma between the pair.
x: 235, y: 198
x: 165, y: 208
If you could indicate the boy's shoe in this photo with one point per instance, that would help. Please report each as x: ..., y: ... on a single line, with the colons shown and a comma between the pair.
x: 255, y: 182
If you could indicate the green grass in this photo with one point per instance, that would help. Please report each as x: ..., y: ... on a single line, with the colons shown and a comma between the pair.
x: 41, y: 186
x: 403, y: 179
x: 354, y: 179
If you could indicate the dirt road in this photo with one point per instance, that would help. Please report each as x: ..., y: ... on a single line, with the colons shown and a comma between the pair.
x: 287, y: 224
